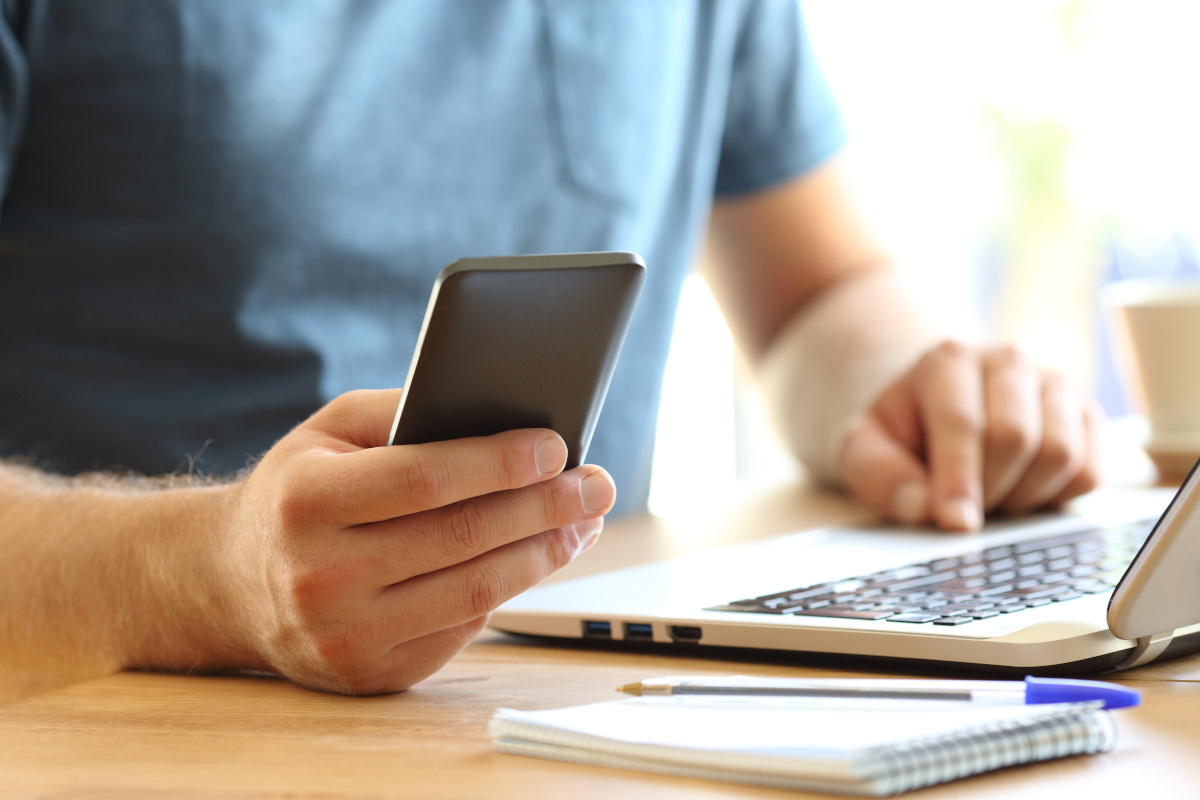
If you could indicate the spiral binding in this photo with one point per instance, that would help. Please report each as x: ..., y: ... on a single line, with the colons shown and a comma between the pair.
x: 937, y: 759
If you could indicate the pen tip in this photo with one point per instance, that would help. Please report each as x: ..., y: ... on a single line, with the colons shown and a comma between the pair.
x: 631, y: 688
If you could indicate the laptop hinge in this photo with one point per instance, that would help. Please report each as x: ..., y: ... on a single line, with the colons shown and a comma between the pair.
x: 1148, y: 648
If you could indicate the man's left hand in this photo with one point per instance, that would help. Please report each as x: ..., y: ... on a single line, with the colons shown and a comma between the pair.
x: 968, y: 431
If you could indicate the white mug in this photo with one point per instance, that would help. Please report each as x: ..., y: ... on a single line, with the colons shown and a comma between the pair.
x: 1158, y: 338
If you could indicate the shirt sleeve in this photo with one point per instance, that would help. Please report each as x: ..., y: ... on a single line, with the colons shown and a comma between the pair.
x: 14, y: 90
x: 781, y: 119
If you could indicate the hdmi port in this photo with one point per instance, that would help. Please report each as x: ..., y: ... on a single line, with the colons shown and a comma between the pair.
x: 684, y: 633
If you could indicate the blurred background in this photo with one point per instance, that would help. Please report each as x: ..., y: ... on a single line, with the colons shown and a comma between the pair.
x: 1015, y: 155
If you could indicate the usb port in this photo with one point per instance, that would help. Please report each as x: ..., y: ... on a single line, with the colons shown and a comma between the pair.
x: 684, y: 633
x: 597, y: 630
x: 639, y: 632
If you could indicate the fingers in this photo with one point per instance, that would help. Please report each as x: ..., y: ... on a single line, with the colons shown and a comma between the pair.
x: 949, y: 390
x: 466, y: 591
x: 431, y: 617
x: 1063, y: 451
x: 1013, y: 408
x: 882, y: 472
x: 396, y: 550
x: 350, y: 669
x: 402, y: 648
x: 361, y: 642
x: 411, y: 662
x: 1089, y: 476
x: 969, y: 430
x: 345, y: 489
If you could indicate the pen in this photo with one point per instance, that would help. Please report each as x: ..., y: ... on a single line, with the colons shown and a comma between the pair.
x: 1028, y: 692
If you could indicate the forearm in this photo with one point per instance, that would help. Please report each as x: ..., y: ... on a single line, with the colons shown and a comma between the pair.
x: 105, y: 574
x: 834, y: 356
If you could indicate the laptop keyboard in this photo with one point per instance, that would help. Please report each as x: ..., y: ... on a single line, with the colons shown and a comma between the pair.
x: 979, y: 585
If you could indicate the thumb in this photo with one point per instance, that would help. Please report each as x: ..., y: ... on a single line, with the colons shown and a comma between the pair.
x: 881, y: 471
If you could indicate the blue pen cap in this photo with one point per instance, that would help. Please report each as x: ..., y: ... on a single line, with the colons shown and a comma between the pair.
x: 1067, y: 690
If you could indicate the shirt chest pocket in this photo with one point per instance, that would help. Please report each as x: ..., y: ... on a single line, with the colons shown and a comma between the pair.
x: 613, y: 72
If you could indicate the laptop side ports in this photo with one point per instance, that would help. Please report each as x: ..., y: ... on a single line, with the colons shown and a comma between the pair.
x: 593, y: 629
x: 639, y: 632
x: 684, y: 633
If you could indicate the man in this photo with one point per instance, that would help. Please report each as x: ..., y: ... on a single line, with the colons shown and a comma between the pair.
x: 219, y: 217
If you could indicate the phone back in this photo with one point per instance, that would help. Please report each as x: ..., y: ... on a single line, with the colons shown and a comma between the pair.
x: 519, y: 342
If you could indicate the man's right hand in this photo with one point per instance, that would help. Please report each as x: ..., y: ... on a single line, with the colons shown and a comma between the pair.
x: 339, y: 562
x: 364, y: 568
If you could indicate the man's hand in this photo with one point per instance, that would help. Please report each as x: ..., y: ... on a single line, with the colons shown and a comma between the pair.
x: 968, y: 431
x: 816, y: 306
x: 337, y: 562
x: 366, y: 567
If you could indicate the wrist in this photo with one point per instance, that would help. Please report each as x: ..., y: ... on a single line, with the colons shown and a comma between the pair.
x: 834, y: 357
x: 188, y: 604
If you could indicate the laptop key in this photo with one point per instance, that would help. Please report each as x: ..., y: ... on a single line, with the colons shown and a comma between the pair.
x: 915, y: 583
x: 856, y: 606
x: 917, y: 617
x: 1034, y: 594
x: 903, y: 574
x: 963, y: 584
x: 966, y: 608
x: 987, y: 613
x: 846, y: 613
x: 805, y: 594
x: 756, y: 609
x: 953, y: 620
x: 888, y: 599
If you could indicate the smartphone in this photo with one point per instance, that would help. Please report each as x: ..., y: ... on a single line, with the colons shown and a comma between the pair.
x: 519, y: 342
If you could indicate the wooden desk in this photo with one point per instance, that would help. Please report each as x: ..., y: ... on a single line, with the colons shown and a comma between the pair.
x: 142, y: 735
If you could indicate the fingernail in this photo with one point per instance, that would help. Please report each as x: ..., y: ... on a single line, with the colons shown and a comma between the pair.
x: 961, y: 513
x: 550, y: 454
x: 588, y: 532
x: 910, y: 502
x: 597, y: 492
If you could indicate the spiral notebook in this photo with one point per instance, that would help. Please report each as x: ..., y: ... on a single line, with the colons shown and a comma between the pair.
x: 841, y: 746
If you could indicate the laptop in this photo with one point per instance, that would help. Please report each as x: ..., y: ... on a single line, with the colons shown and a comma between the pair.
x: 1114, y: 586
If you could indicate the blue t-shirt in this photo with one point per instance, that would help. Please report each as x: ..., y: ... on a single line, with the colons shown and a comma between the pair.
x: 219, y: 215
